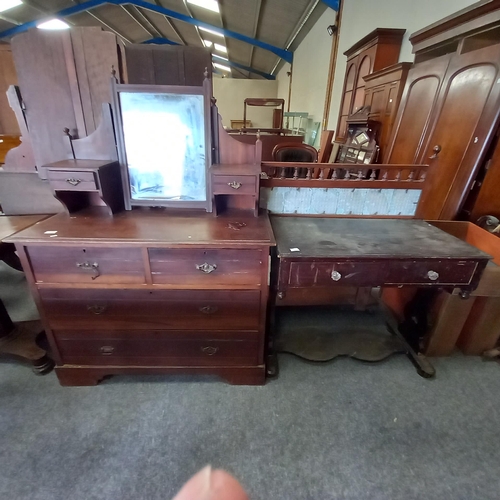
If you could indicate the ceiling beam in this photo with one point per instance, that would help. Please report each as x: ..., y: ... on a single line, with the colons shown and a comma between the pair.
x: 188, y: 10
x: 258, y: 11
x: 171, y: 24
x: 137, y: 21
x: 236, y: 65
x: 105, y: 24
x: 333, y: 4
x: 92, y: 4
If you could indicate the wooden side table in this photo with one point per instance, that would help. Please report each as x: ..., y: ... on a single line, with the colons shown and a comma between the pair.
x: 19, y: 340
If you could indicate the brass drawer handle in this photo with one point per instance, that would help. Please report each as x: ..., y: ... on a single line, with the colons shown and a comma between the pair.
x: 73, y: 182
x: 209, y: 350
x: 206, y: 268
x: 432, y: 275
x: 87, y: 266
x: 335, y: 275
x: 209, y: 309
x: 234, y: 185
x: 106, y: 350
x: 94, y: 309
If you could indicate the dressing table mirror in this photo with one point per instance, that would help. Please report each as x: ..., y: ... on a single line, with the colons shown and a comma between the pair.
x: 163, y: 139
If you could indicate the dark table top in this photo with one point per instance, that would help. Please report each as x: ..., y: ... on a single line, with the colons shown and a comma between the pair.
x: 310, y: 237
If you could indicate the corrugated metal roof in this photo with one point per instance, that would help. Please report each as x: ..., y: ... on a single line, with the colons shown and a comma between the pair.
x: 273, y: 22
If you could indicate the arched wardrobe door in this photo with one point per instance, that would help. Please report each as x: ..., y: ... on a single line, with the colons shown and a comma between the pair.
x: 416, y: 110
x: 465, y: 121
x: 347, y: 100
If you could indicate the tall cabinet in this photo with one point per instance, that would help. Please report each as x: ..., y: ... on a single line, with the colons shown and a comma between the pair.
x: 449, y: 110
x: 383, y: 93
x: 375, y: 51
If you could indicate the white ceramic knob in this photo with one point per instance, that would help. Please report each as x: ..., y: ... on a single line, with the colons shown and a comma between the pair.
x: 433, y: 275
x: 336, y: 275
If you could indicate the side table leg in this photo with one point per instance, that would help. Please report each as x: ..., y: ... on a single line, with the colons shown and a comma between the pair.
x: 421, y: 363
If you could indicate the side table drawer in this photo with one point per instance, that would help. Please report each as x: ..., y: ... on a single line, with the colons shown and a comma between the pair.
x: 439, y: 272
x: 378, y: 273
x: 151, y: 309
x: 61, y: 180
x: 205, y: 267
x: 93, y: 265
x: 234, y: 184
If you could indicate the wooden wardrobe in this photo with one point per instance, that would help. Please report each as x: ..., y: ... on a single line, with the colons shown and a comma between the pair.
x: 375, y: 51
x: 450, y: 108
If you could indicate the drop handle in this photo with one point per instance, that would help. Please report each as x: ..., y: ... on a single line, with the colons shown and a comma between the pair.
x: 209, y: 309
x: 209, y: 350
x: 95, y: 309
x: 206, y: 267
x: 89, y: 267
x: 234, y: 185
x: 73, y: 182
x: 436, y: 149
x: 106, y: 350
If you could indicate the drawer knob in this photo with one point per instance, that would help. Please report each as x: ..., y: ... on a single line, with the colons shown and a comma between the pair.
x: 107, y: 350
x: 208, y: 309
x: 73, y: 182
x: 95, y: 309
x: 432, y: 275
x: 234, y: 185
x: 209, y: 350
x: 206, y: 267
x: 87, y: 266
x: 336, y: 275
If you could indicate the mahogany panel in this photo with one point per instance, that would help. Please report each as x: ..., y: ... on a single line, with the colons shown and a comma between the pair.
x: 62, y: 264
x: 152, y: 309
x: 230, y: 267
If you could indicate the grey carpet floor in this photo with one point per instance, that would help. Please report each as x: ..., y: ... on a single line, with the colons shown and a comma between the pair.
x: 341, y: 430
x: 344, y: 430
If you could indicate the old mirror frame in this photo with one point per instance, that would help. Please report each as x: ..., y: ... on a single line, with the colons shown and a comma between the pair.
x: 163, y: 141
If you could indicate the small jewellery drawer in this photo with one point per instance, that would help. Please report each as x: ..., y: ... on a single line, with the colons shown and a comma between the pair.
x: 234, y: 184
x: 116, y: 309
x: 93, y: 265
x: 156, y: 348
x: 67, y: 180
x: 379, y: 273
x: 206, y: 267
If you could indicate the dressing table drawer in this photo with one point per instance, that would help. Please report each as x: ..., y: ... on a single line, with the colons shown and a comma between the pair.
x: 205, y: 267
x: 116, y: 309
x: 234, y: 184
x: 67, y: 180
x: 93, y: 265
x: 157, y: 348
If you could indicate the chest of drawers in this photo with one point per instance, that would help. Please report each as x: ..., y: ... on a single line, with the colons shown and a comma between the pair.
x: 146, y: 292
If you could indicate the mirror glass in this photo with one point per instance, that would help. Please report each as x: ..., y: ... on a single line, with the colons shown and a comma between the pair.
x: 165, y: 145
